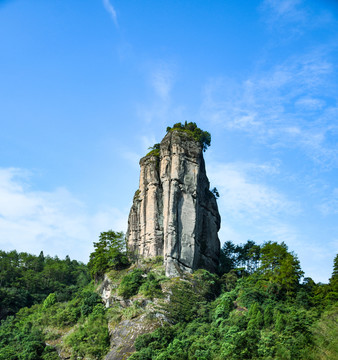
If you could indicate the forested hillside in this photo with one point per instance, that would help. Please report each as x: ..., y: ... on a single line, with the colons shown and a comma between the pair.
x: 258, y: 306
x: 27, y: 279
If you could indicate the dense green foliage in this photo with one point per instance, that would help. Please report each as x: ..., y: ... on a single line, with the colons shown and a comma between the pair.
x: 241, y: 257
x: 27, y: 279
x: 140, y: 281
x: 131, y: 283
x: 20, y: 341
x: 257, y: 307
x: 90, y: 339
x: 203, y: 137
x: 110, y: 253
x: 25, y: 337
x: 262, y: 312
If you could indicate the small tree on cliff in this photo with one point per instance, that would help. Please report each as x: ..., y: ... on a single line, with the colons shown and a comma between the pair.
x: 110, y: 253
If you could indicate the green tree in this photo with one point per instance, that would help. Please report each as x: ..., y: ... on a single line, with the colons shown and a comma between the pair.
x: 280, y: 267
x: 227, y: 257
x: 245, y: 256
x: 248, y: 256
x: 49, y: 301
x: 110, y: 253
x: 268, y: 315
x: 334, y: 277
x: 26, y: 279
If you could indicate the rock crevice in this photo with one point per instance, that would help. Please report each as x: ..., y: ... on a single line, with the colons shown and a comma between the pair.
x: 174, y: 214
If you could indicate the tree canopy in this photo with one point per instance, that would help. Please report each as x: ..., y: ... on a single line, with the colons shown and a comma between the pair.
x: 110, y: 253
x: 248, y: 312
x: 27, y: 279
x: 280, y: 266
x: 273, y: 262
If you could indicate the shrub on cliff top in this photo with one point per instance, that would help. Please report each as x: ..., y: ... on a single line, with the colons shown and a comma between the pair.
x: 203, y: 137
x: 154, y: 150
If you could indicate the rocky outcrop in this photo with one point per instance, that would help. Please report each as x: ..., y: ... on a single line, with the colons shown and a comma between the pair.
x: 174, y: 214
x: 123, y: 336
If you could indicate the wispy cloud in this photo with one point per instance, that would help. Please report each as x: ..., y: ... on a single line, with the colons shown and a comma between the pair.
x: 132, y: 157
x: 144, y: 143
x: 291, y: 18
x: 161, y: 77
x: 286, y: 10
x: 244, y: 197
x: 252, y: 209
x: 316, y: 259
x: 147, y: 141
x: 293, y: 104
x: 55, y: 222
x: 329, y: 206
x: 111, y: 10
x: 162, y: 80
x: 290, y: 104
x: 282, y: 14
x: 283, y: 7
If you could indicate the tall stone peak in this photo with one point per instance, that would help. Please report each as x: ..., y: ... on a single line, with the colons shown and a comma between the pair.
x: 174, y: 214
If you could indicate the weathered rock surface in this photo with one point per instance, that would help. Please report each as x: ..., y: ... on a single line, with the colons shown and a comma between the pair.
x: 174, y: 214
x: 124, y: 334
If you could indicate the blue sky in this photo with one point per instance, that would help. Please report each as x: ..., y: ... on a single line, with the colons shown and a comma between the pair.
x: 87, y: 86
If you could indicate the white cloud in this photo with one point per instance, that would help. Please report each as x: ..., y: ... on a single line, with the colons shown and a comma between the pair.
x: 282, y: 232
x: 144, y: 143
x: 111, y: 10
x: 162, y: 80
x: 55, y: 222
x: 308, y: 103
x: 293, y: 104
x: 316, y: 260
x: 227, y: 232
x: 285, y: 8
x: 161, y: 77
x: 242, y: 197
x: 287, y: 16
x: 147, y: 141
x: 294, y: 17
x: 330, y: 205
x: 253, y: 210
x: 132, y: 157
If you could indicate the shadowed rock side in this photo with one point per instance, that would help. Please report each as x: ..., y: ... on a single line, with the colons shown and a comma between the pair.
x: 174, y: 214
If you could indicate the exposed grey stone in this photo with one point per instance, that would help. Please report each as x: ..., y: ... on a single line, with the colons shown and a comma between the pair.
x: 174, y: 214
x: 123, y: 336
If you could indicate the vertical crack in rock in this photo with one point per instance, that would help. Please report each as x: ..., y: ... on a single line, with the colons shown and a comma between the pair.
x: 174, y: 214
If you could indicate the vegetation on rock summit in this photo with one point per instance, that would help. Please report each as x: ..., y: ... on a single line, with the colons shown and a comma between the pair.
x: 194, y: 132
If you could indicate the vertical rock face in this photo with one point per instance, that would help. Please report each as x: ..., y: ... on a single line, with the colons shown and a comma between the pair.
x: 174, y: 214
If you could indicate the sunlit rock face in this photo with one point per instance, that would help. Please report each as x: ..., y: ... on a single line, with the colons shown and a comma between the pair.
x: 174, y: 214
